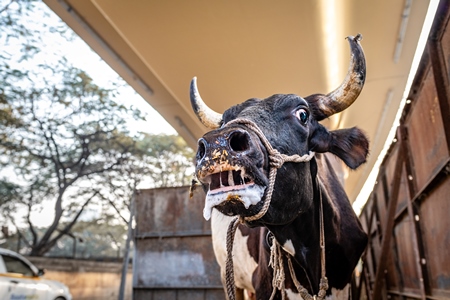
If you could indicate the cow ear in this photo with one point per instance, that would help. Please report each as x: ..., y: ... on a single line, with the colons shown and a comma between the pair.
x: 351, y: 145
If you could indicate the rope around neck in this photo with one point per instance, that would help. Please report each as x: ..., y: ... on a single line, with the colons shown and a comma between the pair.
x: 276, y: 160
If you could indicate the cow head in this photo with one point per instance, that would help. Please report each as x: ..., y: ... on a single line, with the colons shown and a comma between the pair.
x: 232, y: 162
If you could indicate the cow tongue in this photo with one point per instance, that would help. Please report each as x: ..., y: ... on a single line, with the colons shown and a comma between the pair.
x: 248, y: 194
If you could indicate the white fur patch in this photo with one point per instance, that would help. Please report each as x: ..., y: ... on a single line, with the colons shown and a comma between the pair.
x: 251, y: 194
x: 339, y: 294
x: 291, y: 295
x: 244, y: 263
x: 289, y: 247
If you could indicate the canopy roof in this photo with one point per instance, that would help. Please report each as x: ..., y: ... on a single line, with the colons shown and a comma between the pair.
x: 245, y: 49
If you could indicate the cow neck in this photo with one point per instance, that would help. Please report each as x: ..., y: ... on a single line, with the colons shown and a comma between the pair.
x: 276, y: 160
x: 278, y: 253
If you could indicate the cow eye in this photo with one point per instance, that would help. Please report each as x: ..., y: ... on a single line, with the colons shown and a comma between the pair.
x: 302, y: 115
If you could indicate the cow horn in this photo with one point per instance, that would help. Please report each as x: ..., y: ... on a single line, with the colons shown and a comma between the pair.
x: 206, y: 115
x: 351, y: 87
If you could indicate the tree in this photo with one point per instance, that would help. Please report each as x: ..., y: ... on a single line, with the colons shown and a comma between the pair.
x: 64, y: 139
x: 70, y: 133
x: 159, y: 161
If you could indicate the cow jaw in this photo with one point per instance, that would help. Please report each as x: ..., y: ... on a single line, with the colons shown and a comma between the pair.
x: 228, y: 185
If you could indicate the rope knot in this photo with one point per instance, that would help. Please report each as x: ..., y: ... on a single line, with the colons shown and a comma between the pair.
x: 276, y: 159
x: 323, y: 287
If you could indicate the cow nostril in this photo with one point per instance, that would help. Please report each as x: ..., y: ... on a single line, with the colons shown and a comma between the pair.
x: 239, y: 141
x: 201, y: 149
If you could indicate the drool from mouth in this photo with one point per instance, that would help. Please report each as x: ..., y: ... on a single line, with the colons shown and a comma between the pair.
x: 231, y: 184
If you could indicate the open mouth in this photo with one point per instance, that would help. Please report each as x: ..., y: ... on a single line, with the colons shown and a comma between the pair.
x: 227, y: 180
x: 231, y: 185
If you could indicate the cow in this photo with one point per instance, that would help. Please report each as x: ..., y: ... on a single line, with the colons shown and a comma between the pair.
x: 268, y: 163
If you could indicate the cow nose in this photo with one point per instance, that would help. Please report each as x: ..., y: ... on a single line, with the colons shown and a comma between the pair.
x: 239, y: 141
x: 236, y: 141
x: 201, y: 149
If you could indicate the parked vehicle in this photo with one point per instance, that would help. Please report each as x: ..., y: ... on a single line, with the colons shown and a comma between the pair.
x: 20, y: 280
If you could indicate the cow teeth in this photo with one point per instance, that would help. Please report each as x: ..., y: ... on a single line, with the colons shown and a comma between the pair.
x: 230, y: 178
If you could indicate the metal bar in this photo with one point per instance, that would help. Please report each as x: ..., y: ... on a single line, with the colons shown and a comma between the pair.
x: 372, y: 250
x: 390, y: 219
x: 366, y: 271
x: 418, y: 247
x: 414, y: 225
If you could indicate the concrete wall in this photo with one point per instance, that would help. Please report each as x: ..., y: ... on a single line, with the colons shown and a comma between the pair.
x: 87, y: 280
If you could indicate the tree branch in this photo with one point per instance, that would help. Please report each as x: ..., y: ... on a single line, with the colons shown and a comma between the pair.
x: 115, y: 208
x: 30, y: 225
x: 69, y: 226
x: 21, y: 236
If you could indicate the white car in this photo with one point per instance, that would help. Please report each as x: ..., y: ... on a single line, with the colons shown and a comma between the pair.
x: 21, y: 280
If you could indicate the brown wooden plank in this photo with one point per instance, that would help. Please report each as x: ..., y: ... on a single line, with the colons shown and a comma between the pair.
x: 435, y: 224
x: 387, y: 235
x: 415, y: 225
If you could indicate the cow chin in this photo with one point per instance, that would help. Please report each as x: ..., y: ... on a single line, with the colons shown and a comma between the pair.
x: 237, y: 200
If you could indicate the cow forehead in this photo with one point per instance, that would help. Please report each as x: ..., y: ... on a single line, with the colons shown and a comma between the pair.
x: 262, y: 110
x: 281, y: 101
x: 288, y: 100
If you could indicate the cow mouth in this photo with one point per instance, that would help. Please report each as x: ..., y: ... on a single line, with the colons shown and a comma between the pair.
x: 231, y: 186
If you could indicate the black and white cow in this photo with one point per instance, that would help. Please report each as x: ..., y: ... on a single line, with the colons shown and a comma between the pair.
x: 233, y: 166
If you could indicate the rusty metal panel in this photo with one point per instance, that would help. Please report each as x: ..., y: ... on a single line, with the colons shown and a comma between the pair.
x: 391, y: 280
x: 173, y: 258
x: 380, y: 206
x: 403, y: 193
x: 405, y: 266
x: 376, y: 250
x: 446, y: 48
x: 435, y: 224
x: 427, y: 138
x: 389, y: 166
x: 176, y: 262
x: 170, y: 211
x: 418, y: 262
